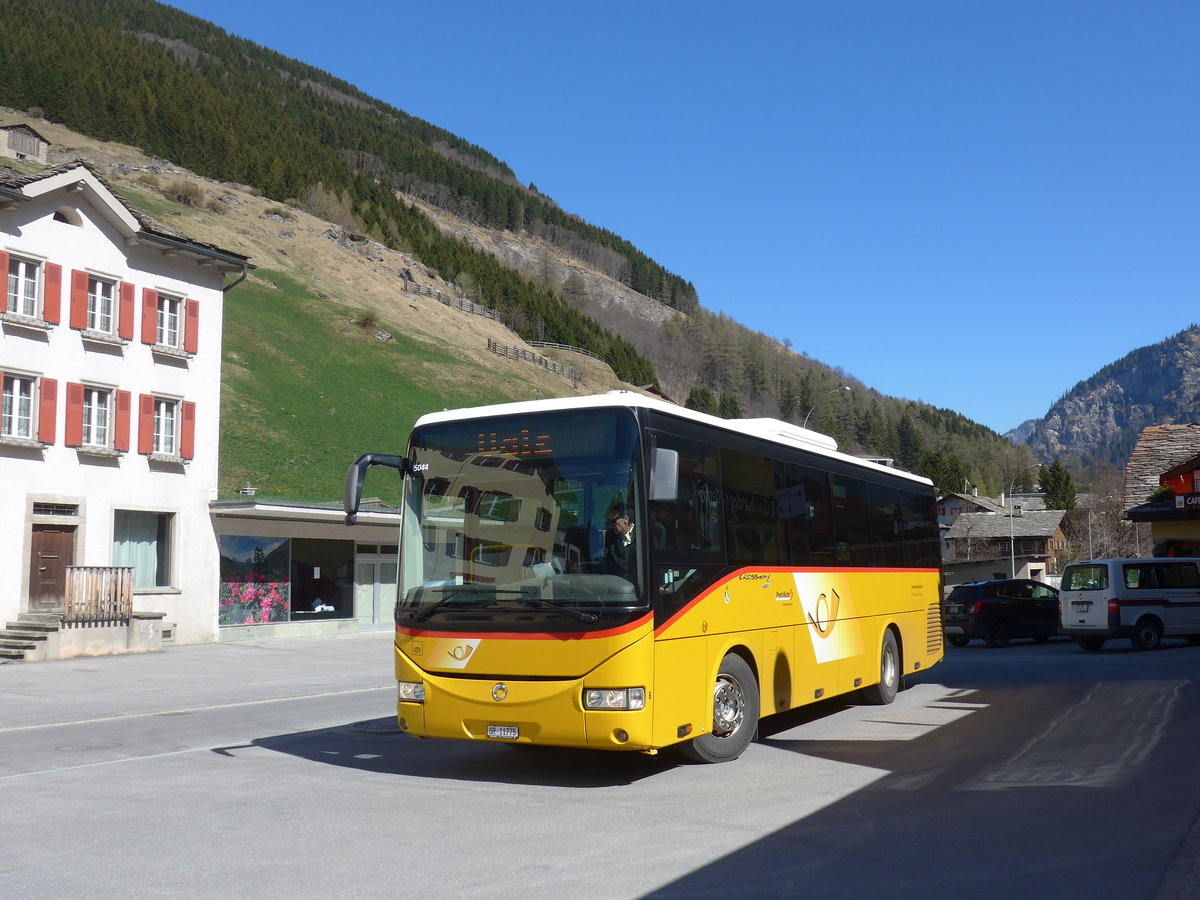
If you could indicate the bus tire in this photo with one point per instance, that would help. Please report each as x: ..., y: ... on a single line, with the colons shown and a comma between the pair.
x: 885, y: 691
x: 1090, y: 644
x: 1147, y: 634
x: 734, y: 717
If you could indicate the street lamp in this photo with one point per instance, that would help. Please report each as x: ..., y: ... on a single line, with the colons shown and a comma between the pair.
x: 844, y: 387
x: 1012, y: 547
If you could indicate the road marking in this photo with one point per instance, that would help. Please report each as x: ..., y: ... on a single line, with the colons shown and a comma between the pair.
x: 193, y: 709
x: 1095, y: 743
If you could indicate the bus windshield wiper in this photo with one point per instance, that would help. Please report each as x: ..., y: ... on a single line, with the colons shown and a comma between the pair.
x: 571, y: 611
x: 451, y: 595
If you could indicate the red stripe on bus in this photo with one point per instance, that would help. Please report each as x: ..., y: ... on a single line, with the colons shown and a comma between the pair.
x: 528, y: 636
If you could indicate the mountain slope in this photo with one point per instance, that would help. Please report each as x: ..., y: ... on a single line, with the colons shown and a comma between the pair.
x: 1097, y: 422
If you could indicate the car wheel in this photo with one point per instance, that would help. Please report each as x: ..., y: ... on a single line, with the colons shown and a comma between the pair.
x: 997, y: 634
x: 889, y: 673
x: 957, y: 640
x: 1147, y: 634
x: 734, y: 718
x: 1090, y: 644
x: 1193, y: 639
x: 1042, y: 638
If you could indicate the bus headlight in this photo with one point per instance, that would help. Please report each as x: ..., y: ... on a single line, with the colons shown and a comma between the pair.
x: 614, y: 698
x: 410, y: 692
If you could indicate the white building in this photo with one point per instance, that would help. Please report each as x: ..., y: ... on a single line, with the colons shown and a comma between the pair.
x: 110, y: 348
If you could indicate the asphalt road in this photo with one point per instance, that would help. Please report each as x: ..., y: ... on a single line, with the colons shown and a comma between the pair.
x: 272, y: 770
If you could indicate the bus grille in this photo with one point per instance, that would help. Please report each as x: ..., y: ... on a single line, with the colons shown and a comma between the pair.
x: 933, y: 628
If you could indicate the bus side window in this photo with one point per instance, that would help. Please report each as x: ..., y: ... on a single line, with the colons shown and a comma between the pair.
x: 690, y: 527
x: 755, y: 532
x: 804, y: 507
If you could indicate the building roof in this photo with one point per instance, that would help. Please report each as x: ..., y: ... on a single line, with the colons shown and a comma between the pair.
x: 22, y: 185
x: 986, y: 503
x: 27, y: 127
x: 1042, y: 523
x: 1159, y: 449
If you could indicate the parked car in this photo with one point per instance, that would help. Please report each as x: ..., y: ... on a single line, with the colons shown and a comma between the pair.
x: 1141, y: 599
x: 997, y: 611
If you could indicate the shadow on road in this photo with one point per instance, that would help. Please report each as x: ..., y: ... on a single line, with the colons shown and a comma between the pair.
x: 378, y: 746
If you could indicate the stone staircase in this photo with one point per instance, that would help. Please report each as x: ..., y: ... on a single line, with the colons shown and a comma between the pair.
x: 25, y: 640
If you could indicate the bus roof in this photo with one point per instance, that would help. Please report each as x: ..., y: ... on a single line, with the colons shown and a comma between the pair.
x: 774, y: 430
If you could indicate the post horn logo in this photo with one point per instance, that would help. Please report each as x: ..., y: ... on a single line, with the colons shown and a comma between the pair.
x: 499, y: 691
x: 826, y: 616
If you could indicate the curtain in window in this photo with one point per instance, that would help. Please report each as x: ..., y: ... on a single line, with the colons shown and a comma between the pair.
x: 136, y: 543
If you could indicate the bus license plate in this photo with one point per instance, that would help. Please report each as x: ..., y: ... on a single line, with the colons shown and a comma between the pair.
x: 504, y: 732
x: 1081, y: 607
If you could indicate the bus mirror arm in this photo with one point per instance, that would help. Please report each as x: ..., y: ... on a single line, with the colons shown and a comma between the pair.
x: 357, y: 473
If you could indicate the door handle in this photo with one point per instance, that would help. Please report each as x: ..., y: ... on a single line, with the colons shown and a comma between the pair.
x: 41, y: 568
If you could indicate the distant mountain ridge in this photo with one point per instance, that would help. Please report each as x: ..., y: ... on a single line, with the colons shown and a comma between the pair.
x: 1097, y: 422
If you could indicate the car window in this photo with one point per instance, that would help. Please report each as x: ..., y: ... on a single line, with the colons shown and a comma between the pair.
x: 1139, y: 577
x: 1085, y: 578
x: 1044, y: 592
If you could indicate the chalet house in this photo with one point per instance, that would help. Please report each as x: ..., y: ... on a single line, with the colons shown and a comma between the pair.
x: 110, y: 349
x: 987, y: 546
x: 23, y: 143
x: 1166, y: 456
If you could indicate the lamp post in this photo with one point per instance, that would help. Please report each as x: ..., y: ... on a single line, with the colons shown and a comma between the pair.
x: 844, y: 387
x: 1012, y: 546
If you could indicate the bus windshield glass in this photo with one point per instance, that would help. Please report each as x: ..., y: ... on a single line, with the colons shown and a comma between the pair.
x: 523, y: 522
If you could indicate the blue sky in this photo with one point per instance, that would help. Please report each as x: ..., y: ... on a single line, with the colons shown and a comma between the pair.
x: 975, y: 204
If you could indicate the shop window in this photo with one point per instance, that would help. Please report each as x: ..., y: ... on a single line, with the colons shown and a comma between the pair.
x: 322, y: 578
x: 254, y: 580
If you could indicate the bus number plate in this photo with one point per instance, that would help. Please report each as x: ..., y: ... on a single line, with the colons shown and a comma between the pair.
x: 504, y: 732
x: 1081, y: 607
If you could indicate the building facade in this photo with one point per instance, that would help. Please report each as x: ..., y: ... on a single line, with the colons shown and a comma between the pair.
x: 110, y: 348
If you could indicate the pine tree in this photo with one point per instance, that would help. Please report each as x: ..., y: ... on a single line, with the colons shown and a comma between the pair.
x: 1059, y: 488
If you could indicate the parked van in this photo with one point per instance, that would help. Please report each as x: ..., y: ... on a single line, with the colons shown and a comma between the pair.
x: 1141, y: 599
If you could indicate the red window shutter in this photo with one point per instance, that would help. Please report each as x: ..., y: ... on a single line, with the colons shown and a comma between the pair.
x: 145, y: 423
x: 191, y: 325
x: 121, y: 437
x: 125, y: 312
x: 4, y: 272
x: 47, y: 409
x: 74, y: 429
x: 187, y: 438
x: 149, y: 316
x: 52, y: 298
x: 79, y: 288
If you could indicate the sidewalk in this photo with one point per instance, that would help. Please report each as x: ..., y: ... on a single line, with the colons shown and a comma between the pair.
x: 192, y: 676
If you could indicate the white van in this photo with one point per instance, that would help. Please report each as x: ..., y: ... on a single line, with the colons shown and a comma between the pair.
x: 1141, y: 599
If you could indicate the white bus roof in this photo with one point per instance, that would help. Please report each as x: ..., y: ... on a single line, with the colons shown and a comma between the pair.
x: 773, y: 430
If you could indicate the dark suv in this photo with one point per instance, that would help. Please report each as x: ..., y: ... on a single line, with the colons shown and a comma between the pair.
x: 997, y: 611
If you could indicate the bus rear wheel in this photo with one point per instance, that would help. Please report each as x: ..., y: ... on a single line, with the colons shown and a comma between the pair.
x: 734, y: 718
x: 885, y: 691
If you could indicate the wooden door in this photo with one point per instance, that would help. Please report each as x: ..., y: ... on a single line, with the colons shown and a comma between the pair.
x: 53, y: 549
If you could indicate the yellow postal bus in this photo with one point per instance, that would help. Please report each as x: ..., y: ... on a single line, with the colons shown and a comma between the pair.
x: 620, y: 573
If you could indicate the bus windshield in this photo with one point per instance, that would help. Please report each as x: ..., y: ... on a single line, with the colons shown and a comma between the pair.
x: 523, y: 522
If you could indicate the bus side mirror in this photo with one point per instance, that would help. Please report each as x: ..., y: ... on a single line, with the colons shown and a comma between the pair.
x: 352, y: 491
x: 664, y: 474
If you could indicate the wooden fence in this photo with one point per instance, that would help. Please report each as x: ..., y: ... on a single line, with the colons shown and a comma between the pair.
x: 565, y: 347
x: 460, y: 303
x: 98, y: 595
x: 548, y: 364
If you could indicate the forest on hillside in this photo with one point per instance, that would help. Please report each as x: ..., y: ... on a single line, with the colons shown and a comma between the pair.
x: 149, y: 75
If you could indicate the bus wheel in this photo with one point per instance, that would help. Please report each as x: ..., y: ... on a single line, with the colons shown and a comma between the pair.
x: 1147, y: 634
x: 735, y: 715
x: 1090, y: 644
x: 889, y: 673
